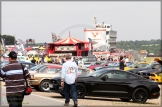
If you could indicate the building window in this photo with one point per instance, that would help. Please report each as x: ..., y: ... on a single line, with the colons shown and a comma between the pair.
x: 108, y: 26
x: 107, y: 32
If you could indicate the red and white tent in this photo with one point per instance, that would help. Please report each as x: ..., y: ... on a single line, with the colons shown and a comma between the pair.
x: 70, y: 40
x: 28, y: 48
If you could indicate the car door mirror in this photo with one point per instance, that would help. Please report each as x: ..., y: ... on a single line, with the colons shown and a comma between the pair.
x: 104, y: 78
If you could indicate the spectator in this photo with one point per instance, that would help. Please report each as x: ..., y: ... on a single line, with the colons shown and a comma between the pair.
x: 108, y: 58
x: 33, y: 60
x: 126, y: 59
x: 62, y: 60
x: 80, y: 63
x: 121, y: 64
x: 49, y: 59
x: 14, y: 80
x: 69, y: 75
x: 74, y: 60
x: 102, y: 58
x: 42, y: 59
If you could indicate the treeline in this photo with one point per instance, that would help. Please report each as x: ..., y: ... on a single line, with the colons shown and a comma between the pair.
x: 9, y: 40
x: 152, y: 46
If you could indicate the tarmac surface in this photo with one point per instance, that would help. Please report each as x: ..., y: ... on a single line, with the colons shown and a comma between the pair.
x: 45, y: 99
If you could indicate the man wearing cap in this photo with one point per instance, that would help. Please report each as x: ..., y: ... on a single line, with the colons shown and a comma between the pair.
x: 14, y: 80
x: 69, y: 75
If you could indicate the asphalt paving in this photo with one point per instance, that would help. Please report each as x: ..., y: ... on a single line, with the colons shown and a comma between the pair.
x: 33, y: 100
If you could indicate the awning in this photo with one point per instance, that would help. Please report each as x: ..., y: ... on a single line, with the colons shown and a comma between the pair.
x: 70, y: 40
x: 28, y: 48
x: 41, y: 48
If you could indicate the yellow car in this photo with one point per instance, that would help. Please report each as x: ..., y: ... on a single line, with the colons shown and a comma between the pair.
x: 137, y: 65
x: 157, y: 76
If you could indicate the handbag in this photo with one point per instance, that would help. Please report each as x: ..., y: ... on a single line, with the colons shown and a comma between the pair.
x: 28, y: 89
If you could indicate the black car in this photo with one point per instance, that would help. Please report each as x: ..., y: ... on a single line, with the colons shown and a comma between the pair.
x: 151, y: 67
x: 148, y: 73
x: 116, y: 65
x: 114, y: 84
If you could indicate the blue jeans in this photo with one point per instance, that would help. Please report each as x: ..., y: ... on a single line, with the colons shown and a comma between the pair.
x: 67, y: 89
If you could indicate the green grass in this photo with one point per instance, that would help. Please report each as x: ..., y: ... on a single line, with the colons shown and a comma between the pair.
x: 150, y: 59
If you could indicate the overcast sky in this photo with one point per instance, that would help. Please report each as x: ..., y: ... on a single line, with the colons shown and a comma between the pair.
x: 131, y: 20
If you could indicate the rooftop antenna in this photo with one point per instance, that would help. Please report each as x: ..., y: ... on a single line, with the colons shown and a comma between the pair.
x: 95, y: 20
x: 69, y: 33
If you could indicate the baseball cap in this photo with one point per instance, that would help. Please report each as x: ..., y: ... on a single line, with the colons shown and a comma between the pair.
x: 12, y: 54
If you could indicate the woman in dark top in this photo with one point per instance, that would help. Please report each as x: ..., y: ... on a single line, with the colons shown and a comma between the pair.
x: 121, y: 64
x: 158, y: 60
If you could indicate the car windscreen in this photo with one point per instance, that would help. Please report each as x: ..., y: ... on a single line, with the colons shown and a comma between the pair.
x: 87, y: 63
x: 4, y: 63
x: 111, y: 64
x: 96, y: 73
x: 129, y: 63
x: 35, y: 67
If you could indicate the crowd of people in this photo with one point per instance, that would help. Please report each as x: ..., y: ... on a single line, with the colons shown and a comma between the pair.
x: 78, y: 60
x: 69, y: 77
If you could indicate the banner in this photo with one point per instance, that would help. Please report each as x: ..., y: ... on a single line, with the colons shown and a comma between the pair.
x: 3, y: 45
x: 20, y: 47
x: 65, y: 48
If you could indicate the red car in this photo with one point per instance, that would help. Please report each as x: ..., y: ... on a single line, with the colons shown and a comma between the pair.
x: 109, y: 63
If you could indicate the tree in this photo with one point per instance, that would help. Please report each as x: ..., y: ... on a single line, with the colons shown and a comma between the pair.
x: 9, y: 40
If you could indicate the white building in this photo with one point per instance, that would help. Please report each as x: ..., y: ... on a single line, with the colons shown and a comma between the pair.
x: 102, y: 35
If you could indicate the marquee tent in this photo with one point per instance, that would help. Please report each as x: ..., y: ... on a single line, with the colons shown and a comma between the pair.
x: 41, y: 48
x: 70, y: 40
x: 28, y: 48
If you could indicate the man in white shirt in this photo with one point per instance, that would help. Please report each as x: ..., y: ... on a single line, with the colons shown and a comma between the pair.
x: 80, y: 63
x: 126, y: 59
x: 69, y: 76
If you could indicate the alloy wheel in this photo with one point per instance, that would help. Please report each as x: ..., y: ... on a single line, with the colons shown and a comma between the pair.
x: 80, y: 91
x: 140, y: 96
x: 45, y: 86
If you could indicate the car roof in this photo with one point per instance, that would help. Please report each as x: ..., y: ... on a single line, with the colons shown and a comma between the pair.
x: 143, y: 63
x: 54, y: 66
x: 20, y: 62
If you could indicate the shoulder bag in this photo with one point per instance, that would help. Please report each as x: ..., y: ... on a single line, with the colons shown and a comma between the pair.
x: 28, y: 89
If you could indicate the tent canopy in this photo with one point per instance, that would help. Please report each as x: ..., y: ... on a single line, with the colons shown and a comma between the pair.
x: 28, y: 48
x: 70, y: 40
x: 41, y: 48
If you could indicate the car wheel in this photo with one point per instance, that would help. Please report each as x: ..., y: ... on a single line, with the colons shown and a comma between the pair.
x: 125, y: 99
x: 140, y: 95
x: 81, y: 90
x: 44, y: 86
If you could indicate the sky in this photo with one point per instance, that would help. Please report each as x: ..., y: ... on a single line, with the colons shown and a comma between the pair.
x: 37, y: 20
